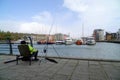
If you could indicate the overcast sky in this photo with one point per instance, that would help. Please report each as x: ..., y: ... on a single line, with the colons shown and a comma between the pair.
x: 75, y: 17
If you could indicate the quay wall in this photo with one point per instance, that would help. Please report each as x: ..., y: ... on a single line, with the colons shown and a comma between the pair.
x: 110, y: 41
x: 71, y: 58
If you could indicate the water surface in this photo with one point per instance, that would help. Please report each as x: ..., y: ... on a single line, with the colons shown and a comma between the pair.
x: 99, y: 51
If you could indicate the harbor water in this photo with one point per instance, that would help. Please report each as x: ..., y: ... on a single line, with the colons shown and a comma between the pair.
x: 102, y: 50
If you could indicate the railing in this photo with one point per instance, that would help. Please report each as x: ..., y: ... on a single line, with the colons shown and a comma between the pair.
x: 7, y: 46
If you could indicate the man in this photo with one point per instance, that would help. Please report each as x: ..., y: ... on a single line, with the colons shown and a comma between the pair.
x: 33, y: 51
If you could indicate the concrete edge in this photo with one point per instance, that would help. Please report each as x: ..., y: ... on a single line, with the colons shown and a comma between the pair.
x: 85, y: 59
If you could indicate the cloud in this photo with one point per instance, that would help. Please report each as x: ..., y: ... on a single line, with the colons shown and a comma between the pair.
x: 96, y: 13
x: 75, y: 5
x: 39, y: 28
x: 70, y: 18
x: 43, y: 17
x: 30, y: 27
x: 9, y: 25
x: 40, y: 24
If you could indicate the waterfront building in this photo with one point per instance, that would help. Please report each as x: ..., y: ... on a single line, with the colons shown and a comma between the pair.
x: 60, y: 37
x: 98, y: 34
x: 108, y: 36
x: 37, y: 37
x: 118, y: 35
x: 111, y: 36
x: 40, y: 37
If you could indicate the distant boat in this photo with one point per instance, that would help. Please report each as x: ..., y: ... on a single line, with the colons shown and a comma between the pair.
x: 90, y: 41
x: 78, y: 42
x: 59, y: 42
x: 50, y: 42
x: 84, y: 40
x: 45, y: 42
x: 41, y: 42
x: 68, y: 41
x: 18, y: 41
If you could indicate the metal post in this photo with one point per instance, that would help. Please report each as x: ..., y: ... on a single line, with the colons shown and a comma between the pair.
x: 10, y: 45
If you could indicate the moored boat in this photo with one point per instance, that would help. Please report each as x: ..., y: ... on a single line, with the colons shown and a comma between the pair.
x: 41, y: 42
x: 68, y: 41
x: 90, y: 41
x: 45, y: 42
x: 78, y: 42
x: 59, y: 42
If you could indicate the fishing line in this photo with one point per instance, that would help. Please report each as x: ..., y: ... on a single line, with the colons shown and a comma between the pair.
x: 56, y: 51
x: 45, y: 50
x: 46, y: 46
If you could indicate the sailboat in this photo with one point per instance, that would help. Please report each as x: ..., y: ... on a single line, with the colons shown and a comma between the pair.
x: 80, y: 41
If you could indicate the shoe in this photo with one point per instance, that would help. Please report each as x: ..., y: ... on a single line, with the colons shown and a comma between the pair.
x: 36, y: 59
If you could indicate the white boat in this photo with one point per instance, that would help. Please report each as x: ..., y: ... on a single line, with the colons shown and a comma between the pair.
x: 90, y: 41
x: 18, y: 41
x: 68, y: 41
x: 59, y: 42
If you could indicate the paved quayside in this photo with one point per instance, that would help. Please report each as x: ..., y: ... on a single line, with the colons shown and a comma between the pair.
x: 66, y: 69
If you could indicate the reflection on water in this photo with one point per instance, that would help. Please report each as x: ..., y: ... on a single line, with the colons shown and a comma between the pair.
x: 98, y: 51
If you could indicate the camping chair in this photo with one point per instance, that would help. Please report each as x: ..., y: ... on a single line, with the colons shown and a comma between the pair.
x: 24, y: 52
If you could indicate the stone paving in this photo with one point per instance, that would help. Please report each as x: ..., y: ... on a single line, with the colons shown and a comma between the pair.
x: 65, y: 69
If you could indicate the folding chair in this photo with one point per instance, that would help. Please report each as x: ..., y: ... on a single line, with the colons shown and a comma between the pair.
x: 24, y: 52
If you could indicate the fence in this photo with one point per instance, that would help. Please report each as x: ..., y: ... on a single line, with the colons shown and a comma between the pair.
x: 7, y: 46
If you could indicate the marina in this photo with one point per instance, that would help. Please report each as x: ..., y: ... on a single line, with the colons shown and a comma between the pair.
x: 100, y: 51
x: 69, y: 61
x: 60, y: 40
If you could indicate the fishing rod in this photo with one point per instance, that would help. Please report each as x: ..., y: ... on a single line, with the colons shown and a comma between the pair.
x: 46, y: 47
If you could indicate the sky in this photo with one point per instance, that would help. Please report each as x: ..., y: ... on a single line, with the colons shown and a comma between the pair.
x: 74, y: 17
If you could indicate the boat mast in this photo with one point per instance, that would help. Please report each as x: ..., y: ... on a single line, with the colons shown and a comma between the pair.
x: 82, y: 29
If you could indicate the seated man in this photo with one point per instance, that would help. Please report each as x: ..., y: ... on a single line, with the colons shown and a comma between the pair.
x: 33, y: 51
